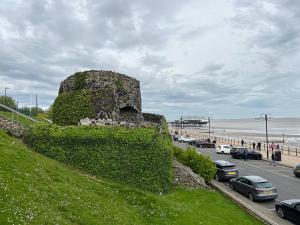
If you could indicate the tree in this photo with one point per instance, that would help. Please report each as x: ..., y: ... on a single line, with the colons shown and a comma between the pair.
x: 10, y: 102
x: 49, y: 112
x: 31, y: 111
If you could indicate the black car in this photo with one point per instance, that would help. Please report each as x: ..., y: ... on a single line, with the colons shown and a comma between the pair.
x: 254, y: 187
x: 204, y: 144
x: 245, y: 153
x: 297, y: 170
x: 289, y: 209
x: 225, y: 170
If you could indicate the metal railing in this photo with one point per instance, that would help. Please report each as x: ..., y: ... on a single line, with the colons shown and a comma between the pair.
x: 18, y: 113
x: 287, y: 150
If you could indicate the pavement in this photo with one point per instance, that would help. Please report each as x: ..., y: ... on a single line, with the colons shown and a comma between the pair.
x: 281, y: 176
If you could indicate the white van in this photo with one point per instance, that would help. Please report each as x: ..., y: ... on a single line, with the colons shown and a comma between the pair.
x: 223, y: 149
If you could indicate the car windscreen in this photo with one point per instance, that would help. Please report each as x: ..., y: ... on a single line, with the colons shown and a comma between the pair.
x: 267, y: 184
x: 225, y: 146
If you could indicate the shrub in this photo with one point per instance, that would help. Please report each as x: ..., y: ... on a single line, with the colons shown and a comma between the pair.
x: 141, y: 157
x: 200, y: 164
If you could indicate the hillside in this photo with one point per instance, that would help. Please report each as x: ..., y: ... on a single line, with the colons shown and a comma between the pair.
x: 24, y: 121
x: 38, y: 190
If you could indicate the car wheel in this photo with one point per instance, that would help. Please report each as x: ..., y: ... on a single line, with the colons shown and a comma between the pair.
x: 251, y: 197
x: 231, y: 186
x: 217, y: 177
x: 280, y: 212
x: 222, y: 152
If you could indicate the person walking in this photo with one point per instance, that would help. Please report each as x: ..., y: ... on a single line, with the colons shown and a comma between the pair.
x: 253, y: 145
x: 242, y: 142
x: 273, y: 159
x: 273, y: 146
x: 258, y: 146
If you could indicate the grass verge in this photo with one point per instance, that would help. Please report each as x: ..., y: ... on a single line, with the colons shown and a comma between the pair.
x: 38, y: 190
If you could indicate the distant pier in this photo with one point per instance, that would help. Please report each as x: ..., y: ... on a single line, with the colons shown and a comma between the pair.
x: 190, y: 121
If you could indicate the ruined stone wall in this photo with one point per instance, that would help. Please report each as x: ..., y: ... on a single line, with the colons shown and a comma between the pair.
x: 184, y: 176
x: 12, y: 128
x: 113, y: 96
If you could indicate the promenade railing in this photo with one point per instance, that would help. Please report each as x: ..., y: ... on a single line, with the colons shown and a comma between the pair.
x: 286, y: 150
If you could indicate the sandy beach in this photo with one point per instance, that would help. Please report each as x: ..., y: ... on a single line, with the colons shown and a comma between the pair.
x: 285, y: 130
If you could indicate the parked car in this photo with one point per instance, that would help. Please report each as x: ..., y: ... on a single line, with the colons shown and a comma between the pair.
x: 225, y: 170
x: 245, y: 153
x: 289, y: 209
x: 254, y: 187
x: 297, y: 170
x: 204, y: 144
x: 223, y: 149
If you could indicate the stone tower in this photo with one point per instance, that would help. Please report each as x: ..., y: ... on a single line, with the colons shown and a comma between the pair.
x: 112, y: 96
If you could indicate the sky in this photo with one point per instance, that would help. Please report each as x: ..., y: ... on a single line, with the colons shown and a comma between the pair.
x: 219, y: 58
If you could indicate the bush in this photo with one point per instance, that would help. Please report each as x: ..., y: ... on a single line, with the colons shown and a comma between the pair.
x: 200, y: 164
x: 141, y: 157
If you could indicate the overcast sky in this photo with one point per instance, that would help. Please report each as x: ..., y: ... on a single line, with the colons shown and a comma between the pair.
x: 224, y: 58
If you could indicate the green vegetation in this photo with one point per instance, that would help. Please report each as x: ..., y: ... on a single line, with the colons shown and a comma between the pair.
x: 141, y: 157
x: 80, y: 82
x: 155, y: 118
x: 200, y: 164
x: 69, y: 108
x: 36, y: 190
x: 23, y: 120
x: 8, y: 101
x: 13, y: 117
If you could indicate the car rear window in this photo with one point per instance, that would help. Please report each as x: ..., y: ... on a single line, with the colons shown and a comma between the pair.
x: 229, y: 167
x: 263, y: 185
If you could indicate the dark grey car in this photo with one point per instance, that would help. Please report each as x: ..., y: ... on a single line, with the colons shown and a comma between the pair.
x: 225, y: 170
x: 297, y: 170
x: 254, y: 187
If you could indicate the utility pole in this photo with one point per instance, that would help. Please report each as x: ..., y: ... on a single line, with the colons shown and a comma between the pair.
x: 266, y: 117
x: 5, y: 88
x: 36, y: 104
x: 17, y: 111
x: 181, y: 125
x: 209, y: 127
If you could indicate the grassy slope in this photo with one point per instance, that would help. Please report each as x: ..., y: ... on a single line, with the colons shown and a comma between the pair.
x: 37, y: 190
x: 20, y: 119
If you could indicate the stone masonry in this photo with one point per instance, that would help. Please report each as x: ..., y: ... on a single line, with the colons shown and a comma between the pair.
x: 12, y: 128
x: 184, y: 176
x: 114, y: 96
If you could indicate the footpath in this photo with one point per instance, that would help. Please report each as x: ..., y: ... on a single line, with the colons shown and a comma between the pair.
x: 286, y: 160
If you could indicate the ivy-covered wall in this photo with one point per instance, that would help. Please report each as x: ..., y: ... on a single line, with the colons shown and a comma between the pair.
x: 69, y: 108
x: 141, y: 157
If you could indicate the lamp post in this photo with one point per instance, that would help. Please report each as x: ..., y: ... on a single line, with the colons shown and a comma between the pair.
x: 209, y: 127
x: 181, y: 125
x: 266, y: 116
x: 5, y: 89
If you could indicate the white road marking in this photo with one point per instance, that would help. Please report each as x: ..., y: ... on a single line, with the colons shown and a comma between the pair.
x: 270, y: 171
x: 272, y: 209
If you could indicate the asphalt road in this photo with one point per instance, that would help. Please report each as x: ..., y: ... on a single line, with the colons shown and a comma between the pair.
x: 288, y: 186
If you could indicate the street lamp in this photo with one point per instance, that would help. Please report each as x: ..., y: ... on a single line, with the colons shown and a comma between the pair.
x: 209, y: 127
x: 5, y: 88
x: 266, y: 116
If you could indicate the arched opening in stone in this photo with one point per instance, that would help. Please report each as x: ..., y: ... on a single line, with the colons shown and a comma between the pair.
x: 128, y: 114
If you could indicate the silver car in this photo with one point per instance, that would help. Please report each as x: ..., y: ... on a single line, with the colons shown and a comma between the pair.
x: 254, y: 187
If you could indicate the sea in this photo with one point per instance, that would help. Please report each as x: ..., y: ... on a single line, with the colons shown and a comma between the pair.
x: 282, y: 130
